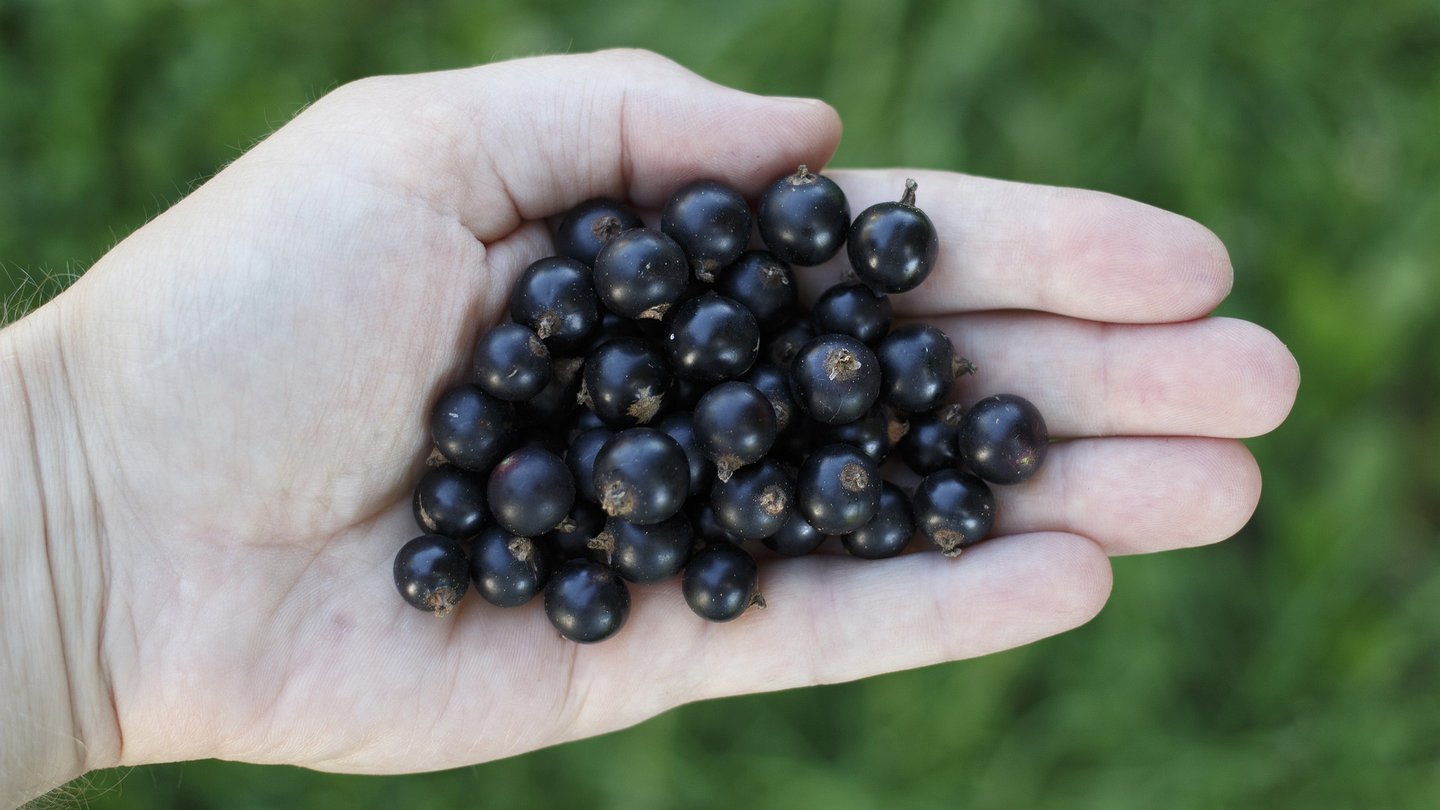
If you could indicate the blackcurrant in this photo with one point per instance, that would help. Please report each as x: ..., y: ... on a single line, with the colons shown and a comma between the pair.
x: 450, y: 501
x: 555, y: 298
x: 681, y: 427
x: 471, y: 429
x: 803, y: 217
x: 893, y: 246
x: 642, y: 475
x: 721, y: 582
x: 586, y: 601
x: 796, y: 538
x: 764, y: 285
x: 507, y: 570
x: 854, y: 310
x: 837, y: 489
x: 647, y: 553
x: 889, y: 532
x: 588, y: 226
x: 556, y: 400
x: 581, y: 420
x: 571, y: 539
x: 711, y: 222
x: 580, y: 458
x: 1003, y: 439
x: 530, y: 491
x: 755, y: 502
x: 781, y: 348
x: 711, y: 338
x: 874, y: 434
x: 640, y: 274
x: 432, y: 574
x: 626, y: 382
x: 511, y: 363
x: 918, y: 364
x: 930, y: 444
x: 835, y: 379
x: 774, y: 383
x: 954, y: 509
x: 707, y: 525
x: 734, y: 425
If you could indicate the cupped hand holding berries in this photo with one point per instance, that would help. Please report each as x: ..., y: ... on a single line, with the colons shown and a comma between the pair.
x: 227, y: 423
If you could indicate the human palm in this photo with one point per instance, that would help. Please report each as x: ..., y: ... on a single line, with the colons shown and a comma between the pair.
x: 254, y: 369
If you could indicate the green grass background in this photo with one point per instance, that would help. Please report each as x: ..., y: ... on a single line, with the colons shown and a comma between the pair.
x: 1296, y: 666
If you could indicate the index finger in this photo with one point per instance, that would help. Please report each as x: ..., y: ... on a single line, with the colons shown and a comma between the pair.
x: 1086, y: 254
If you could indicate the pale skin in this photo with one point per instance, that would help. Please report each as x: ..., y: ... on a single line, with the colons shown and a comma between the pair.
x: 207, y: 443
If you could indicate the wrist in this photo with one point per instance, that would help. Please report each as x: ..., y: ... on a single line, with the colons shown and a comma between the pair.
x: 59, y: 719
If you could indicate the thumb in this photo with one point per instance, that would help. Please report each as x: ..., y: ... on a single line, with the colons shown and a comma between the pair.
x: 529, y: 138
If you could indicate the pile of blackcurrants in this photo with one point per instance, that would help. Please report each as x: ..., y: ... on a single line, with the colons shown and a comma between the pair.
x: 716, y: 412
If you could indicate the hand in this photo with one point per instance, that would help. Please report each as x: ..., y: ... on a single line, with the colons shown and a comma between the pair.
x: 251, y: 374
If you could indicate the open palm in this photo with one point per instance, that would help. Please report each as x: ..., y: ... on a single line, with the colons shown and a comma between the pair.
x: 254, y: 368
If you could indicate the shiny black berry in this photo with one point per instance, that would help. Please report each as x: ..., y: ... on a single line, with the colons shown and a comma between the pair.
x: 1003, y: 439
x: 571, y: 538
x: 586, y: 601
x: 889, y: 532
x: 580, y: 458
x: 954, y: 509
x: 450, y: 501
x: 854, y: 310
x: 711, y: 338
x: 803, y: 217
x: 874, y: 434
x: 835, y: 379
x: 755, y: 502
x: 780, y: 348
x: 681, y: 427
x: 707, y: 524
x: 431, y: 572
x: 796, y: 538
x: 642, y: 475
x: 647, y: 553
x: 721, y: 582
x: 557, y: 399
x: 556, y: 299
x: 711, y: 222
x: 734, y: 425
x: 511, y: 363
x: 588, y: 226
x: 837, y: 489
x: 507, y: 570
x: 640, y: 274
x: 471, y: 429
x: 893, y: 245
x: 764, y: 285
x: 626, y: 382
x: 919, y: 366
x: 530, y: 491
x: 581, y: 420
x: 931, y: 443
x: 774, y: 383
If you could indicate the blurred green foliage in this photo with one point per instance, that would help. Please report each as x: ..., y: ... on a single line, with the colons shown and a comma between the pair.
x: 1297, y: 665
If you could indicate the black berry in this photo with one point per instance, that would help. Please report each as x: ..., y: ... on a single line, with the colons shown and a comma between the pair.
x: 647, y: 553
x: 640, y: 274
x: 835, y: 379
x: 626, y: 382
x: 556, y: 299
x: 432, y: 574
x: 530, y: 491
x: 931, y: 443
x: 580, y: 458
x: 796, y: 538
x: 734, y: 425
x: 571, y: 539
x: 874, y: 434
x: 918, y: 364
x: 471, y: 429
x: 893, y: 245
x: 507, y: 570
x: 774, y: 383
x: 889, y: 532
x: 803, y: 217
x: 764, y: 285
x: 450, y: 501
x: 557, y: 399
x: 712, y: 338
x: 838, y: 489
x: 954, y: 509
x: 1003, y: 439
x: 681, y: 428
x: 711, y: 222
x: 780, y: 348
x: 721, y: 582
x: 511, y: 363
x: 588, y: 226
x: 755, y: 502
x: 586, y: 601
x: 854, y: 310
x: 642, y: 475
